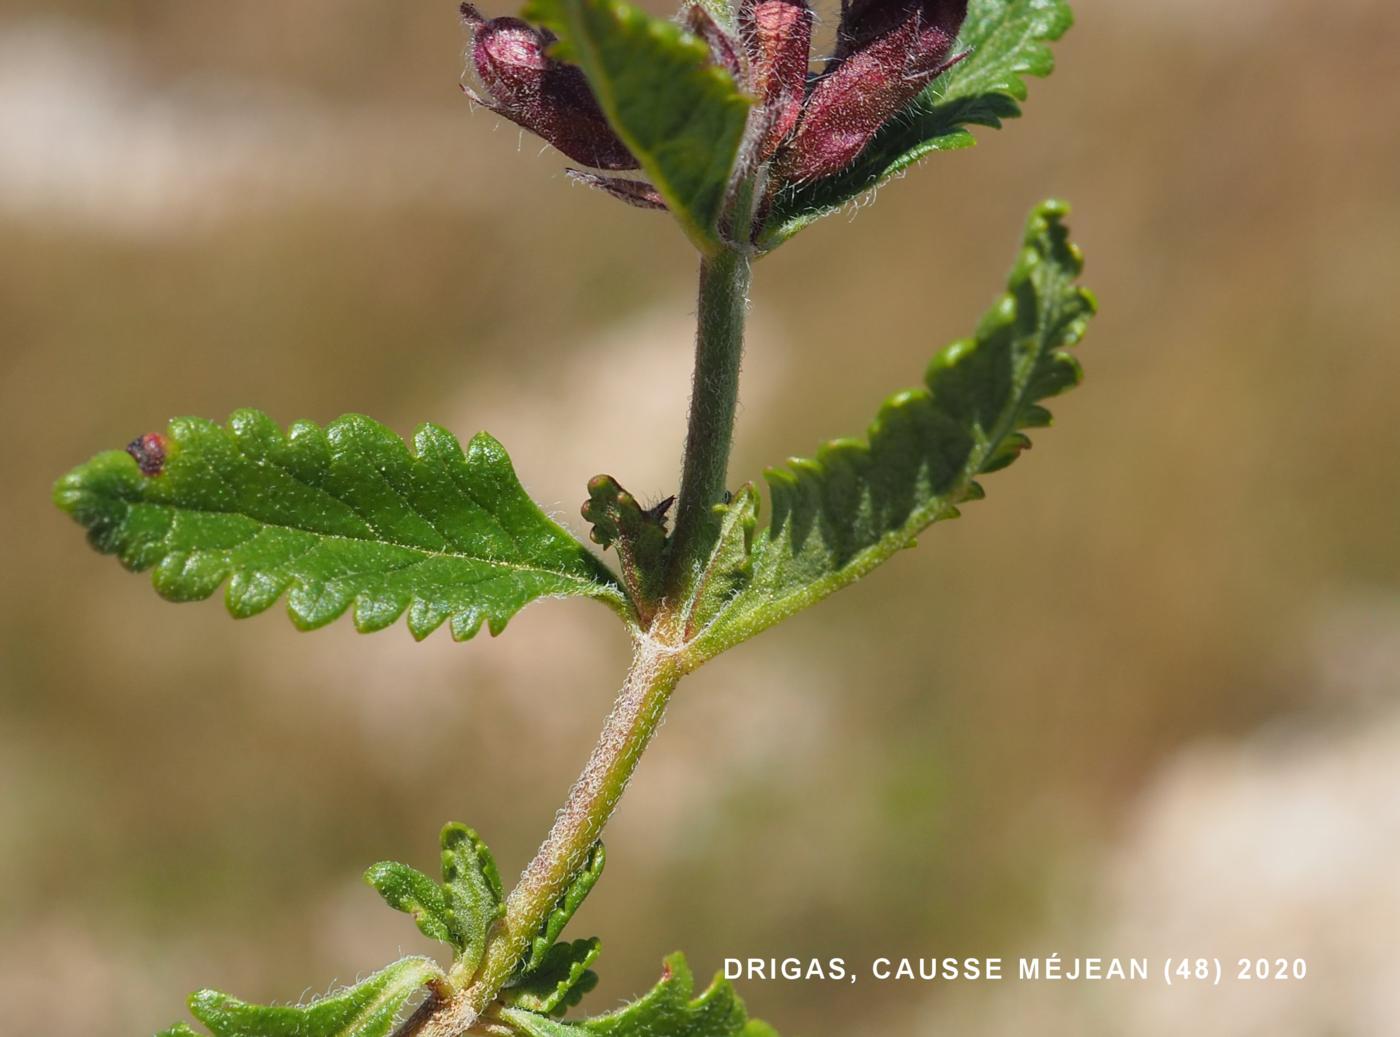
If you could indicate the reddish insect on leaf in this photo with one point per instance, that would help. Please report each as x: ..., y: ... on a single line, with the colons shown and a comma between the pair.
x: 149, y: 453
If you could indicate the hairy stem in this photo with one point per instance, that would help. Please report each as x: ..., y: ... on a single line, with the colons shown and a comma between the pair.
x: 659, y: 663
x: 635, y: 717
x: 719, y: 348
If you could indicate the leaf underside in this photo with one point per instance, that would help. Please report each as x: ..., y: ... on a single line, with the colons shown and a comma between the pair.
x: 682, y: 117
x: 368, y: 1009
x: 559, y: 981
x: 461, y: 910
x: 552, y: 977
x: 335, y: 518
x: 860, y: 501
x: 1006, y: 40
x: 667, y: 1010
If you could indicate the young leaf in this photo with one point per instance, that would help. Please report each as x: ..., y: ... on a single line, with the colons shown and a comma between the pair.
x: 667, y: 1010
x: 410, y: 891
x: 473, y: 889
x: 561, y: 980
x: 639, y: 535
x: 564, y: 909
x: 839, y: 516
x: 679, y: 114
x: 332, y: 517
x: 368, y: 1009
x: 1005, y: 40
x: 461, y: 911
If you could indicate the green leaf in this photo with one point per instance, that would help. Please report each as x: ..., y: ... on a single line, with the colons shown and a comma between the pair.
x: 1007, y: 39
x: 682, y: 116
x: 638, y: 533
x: 368, y: 1009
x: 561, y: 980
x: 409, y: 890
x: 459, y: 912
x: 667, y: 1010
x: 336, y: 517
x: 837, y: 517
x: 729, y: 569
x: 473, y: 889
x: 564, y: 908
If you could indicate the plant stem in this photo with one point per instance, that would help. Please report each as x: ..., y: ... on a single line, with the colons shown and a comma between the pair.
x: 659, y: 663
x: 655, y: 670
x: 719, y: 348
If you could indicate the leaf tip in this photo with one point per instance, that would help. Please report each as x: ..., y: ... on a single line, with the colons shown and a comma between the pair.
x: 178, y: 1030
x: 379, y: 873
x: 206, y: 1005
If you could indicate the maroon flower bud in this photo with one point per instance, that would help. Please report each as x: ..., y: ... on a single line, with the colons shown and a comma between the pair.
x: 778, y: 37
x: 864, y: 20
x: 876, y: 79
x: 547, y: 97
x: 722, y: 52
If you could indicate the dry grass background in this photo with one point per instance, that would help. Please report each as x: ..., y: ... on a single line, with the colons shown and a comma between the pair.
x: 1177, y: 620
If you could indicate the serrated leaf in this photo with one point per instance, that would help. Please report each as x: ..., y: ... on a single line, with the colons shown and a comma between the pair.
x: 368, y: 1009
x: 681, y: 116
x: 837, y: 517
x: 729, y: 568
x: 667, y: 1010
x: 334, y: 518
x: 1006, y: 40
x: 561, y: 980
x: 409, y: 890
x: 563, y: 910
x: 472, y: 885
x: 463, y: 908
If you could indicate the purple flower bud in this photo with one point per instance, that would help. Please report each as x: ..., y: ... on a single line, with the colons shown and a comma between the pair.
x: 882, y: 70
x: 722, y: 52
x: 778, y: 37
x: 547, y: 97
x: 864, y: 20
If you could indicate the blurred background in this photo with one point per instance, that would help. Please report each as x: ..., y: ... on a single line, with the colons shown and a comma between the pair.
x: 1143, y: 701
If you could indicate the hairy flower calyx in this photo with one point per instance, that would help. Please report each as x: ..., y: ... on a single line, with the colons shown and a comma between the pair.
x: 888, y: 51
x: 550, y: 98
x: 803, y: 127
